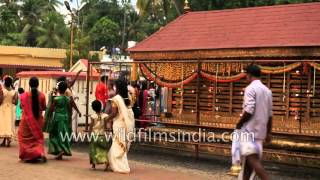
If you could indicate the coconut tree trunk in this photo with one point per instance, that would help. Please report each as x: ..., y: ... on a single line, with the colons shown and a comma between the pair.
x: 176, y: 5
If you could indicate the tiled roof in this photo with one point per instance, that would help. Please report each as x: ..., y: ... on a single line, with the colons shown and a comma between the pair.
x: 33, y: 52
x: 271, y: 26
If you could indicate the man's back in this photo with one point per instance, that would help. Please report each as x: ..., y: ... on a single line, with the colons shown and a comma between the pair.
x: 258, y: 102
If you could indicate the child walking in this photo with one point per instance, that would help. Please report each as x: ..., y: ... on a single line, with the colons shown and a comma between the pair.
x: 98, y: 146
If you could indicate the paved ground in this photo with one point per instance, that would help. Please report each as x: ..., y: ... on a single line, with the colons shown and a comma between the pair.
x: 146, y: 164
x: 77, y: 167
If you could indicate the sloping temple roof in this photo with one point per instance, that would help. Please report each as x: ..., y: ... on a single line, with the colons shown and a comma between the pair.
x: 272, y: 26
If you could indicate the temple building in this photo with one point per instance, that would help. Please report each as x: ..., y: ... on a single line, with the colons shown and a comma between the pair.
x: 201, y: 57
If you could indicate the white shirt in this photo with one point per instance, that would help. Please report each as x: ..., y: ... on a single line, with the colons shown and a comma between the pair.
x: 258, y: 102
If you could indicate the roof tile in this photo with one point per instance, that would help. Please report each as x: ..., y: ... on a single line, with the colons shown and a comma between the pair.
x: 271, y: 26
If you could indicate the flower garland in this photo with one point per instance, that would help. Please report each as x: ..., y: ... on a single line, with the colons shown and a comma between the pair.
x: 152, y: 77
x: 192, y: 74
x: 223, y: 79
x: 314, y: 65
x: 279, y: 69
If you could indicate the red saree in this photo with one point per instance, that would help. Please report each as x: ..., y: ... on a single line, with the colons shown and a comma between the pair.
x: 30, y: 136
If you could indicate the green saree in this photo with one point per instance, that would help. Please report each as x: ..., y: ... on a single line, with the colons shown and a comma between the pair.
x: 60, y: 128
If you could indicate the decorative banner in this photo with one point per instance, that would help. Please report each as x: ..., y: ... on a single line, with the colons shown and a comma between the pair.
x: 315, y: 65
x: 175, y: 75
x: 223, y: 79
x: 151, y: 77
x: 172, y: 71
x: 279, y: 69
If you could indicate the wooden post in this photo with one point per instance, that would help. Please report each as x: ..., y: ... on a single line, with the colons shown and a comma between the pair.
x: 288, y: 96
x: 307, y: 114
x: 230, y: 98
x: 71, y: 42
x: 87, y: 96
x: 269, y: 80
x: 300, y: 102
x: 198, y: 106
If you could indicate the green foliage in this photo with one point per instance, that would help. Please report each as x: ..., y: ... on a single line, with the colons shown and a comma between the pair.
x: 105, y: 33
x: 109, y: 23
x: 52, y: 31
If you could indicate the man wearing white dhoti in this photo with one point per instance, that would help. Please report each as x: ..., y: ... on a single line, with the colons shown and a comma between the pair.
x: 256, y: 121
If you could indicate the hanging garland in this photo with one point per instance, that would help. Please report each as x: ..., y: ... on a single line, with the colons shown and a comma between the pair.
x: 223, y: 79
x: 315, y: 65
x: 172, y: 72
x: 151, y: 77
x: 183, y: 78
x: 279, y: 69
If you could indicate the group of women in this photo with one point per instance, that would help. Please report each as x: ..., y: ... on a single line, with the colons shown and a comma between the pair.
x: 57, y: 122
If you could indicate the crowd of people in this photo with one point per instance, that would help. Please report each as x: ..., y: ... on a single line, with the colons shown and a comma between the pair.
x: 113, y: 112
x: 116, y: 107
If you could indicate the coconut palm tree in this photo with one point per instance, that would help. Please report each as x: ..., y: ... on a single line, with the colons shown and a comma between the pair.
x: 52, y: 5
x: 9, y: 18
x: 145, y: 6
x: 31, y: 12
x: 52, y: 32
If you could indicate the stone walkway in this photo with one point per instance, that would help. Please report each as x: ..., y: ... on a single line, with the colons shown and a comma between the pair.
x: 77, y: 167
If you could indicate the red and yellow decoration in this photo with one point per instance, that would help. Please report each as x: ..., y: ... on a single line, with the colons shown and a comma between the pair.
x: 175, y: 75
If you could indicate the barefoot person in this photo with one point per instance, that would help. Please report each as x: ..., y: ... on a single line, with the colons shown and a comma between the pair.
x: 7, y: 119
x: 123, y: 126
x: 61, y: 123
x: 256, y: 120
x: 98, y: 147
x: 30, y: 136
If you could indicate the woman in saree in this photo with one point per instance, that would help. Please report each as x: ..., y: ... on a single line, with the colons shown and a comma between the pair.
x: 123, y: 129
x: 143, y: 104
x: 30, y: 136
x: 60, y: 125
x: 98, y: 147
x: 7, y: 119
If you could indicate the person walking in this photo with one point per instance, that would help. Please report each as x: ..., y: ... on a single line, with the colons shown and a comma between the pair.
x: 7, y: 114
x: 30, y: 136
x: 60, y: 111
x: 98, y: 152
x: 123, y: 129
x: 255, y: 124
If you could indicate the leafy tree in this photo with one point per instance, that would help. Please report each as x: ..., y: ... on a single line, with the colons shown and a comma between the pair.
x: 31, y: 11
x: 52, y: 31
x: 105, y: 33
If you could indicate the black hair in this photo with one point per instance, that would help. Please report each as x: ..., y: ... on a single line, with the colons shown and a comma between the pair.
x: 34, y: 83
x: 96, y: 106
x: 8, y: 81
x: 62, y: 87
x: 61, y: 78
x: 110, y: 83
x: 122, y: 90
x: 104, y: 78
x: 254, y: 70
x: 21, y: 90
x: 134, y: 84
